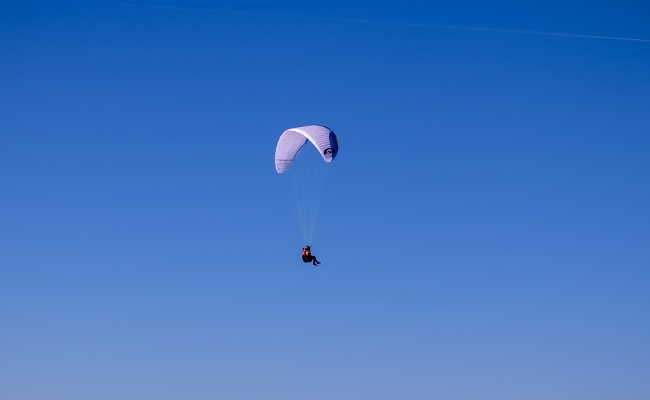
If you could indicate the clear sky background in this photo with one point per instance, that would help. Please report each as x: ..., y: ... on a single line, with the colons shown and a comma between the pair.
x: 486, y: 234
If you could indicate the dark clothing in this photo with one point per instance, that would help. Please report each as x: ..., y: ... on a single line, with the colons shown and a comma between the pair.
x: 310, y: 258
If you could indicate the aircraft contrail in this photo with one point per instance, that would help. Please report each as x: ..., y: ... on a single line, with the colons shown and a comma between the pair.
x: 399, y: 23
x: 527, y: 32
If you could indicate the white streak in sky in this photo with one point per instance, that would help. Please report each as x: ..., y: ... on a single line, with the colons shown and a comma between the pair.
x: 398, y: 23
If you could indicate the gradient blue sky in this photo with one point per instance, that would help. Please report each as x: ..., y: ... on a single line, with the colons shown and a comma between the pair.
x: 486, y: 235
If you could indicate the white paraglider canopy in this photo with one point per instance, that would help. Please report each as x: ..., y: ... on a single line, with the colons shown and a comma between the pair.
x: 292, y: 140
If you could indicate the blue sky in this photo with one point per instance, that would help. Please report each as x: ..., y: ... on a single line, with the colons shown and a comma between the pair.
x: 485, y: 235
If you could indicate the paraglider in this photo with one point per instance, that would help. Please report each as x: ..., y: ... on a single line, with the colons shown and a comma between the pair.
x: 308, y: 257
x: 307, y: 188
x: 292, y: 140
